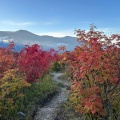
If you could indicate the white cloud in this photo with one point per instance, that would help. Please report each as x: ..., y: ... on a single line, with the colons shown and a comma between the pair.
x: 107, y: 31
x: 14, y: 23
x: 59, y: 34
x: 26, y: 23
x: 5, y: 41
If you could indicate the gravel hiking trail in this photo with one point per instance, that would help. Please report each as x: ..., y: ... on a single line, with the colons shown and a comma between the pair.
x: 49, y: 110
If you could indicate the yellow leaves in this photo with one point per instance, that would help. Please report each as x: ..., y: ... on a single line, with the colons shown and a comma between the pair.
x: 3, y: 85
x: 12, y: 81
x: 11, y: 86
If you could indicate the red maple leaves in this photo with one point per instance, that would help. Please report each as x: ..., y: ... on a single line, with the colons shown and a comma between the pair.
x: 95, y: 65
x: 33, y: 61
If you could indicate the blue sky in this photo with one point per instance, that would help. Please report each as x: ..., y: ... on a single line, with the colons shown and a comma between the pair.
x: 59, y: 17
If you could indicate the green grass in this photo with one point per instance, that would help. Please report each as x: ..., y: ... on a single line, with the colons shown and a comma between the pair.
x: 39, y: 93
x: 66, y: 112
x: 34, y: 96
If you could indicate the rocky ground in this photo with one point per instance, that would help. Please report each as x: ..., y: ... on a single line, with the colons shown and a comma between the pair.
x: 49, y: 111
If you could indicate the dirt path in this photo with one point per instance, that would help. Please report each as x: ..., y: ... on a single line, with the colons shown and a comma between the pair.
x: 49, y: 111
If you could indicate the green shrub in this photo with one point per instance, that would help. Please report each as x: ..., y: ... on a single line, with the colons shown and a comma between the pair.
x: 56, y: 67
x: 34, y: 95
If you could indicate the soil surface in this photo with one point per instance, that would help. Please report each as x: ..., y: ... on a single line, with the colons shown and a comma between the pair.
x: 49, y: 111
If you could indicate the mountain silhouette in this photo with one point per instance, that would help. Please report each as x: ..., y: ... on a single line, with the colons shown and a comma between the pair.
x: 24, y: 37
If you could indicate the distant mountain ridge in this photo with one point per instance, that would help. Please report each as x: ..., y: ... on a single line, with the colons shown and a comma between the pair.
x: 24, y: 37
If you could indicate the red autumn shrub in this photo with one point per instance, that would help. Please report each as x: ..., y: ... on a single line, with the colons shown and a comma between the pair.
x: 33, y: 61
x: 94, y: 67
x: 7, y: 58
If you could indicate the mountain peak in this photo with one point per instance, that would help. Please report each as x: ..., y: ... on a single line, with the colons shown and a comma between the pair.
x: 23, y: 31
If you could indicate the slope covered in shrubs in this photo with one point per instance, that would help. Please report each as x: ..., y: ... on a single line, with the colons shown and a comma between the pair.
x: 24, y: 80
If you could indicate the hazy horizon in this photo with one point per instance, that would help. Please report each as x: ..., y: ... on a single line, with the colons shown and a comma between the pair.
x: 59, y: 18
